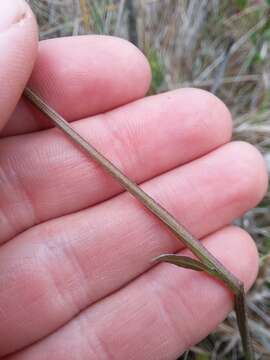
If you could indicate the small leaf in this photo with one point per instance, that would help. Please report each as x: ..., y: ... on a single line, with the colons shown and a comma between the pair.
x: 157, y: 70
x: 182, y: 261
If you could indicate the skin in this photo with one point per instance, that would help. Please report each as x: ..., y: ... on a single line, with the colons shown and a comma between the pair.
x: 76, y: 278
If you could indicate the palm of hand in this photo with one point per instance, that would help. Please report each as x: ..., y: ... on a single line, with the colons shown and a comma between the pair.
x: 76, y: 278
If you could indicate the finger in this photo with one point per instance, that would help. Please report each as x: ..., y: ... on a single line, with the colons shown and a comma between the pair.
x: 18, y: 43
x: 157, y: 316
x: 46, y: 176
x: 82, y: 76
x: 105, y: 247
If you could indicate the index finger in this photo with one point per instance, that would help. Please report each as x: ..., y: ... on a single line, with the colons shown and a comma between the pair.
x: 82, y: 76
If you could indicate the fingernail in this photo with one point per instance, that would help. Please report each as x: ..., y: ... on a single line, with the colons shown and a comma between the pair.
x: 11, y: 12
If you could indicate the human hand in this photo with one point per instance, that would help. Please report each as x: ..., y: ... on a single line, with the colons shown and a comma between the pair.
x: 76, y: 278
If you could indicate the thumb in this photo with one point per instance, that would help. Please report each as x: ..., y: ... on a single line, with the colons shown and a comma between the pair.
x: 18, y: 48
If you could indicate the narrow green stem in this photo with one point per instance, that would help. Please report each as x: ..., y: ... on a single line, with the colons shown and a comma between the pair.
x: 215, y: 268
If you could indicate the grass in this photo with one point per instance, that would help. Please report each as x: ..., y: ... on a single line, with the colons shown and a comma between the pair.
x: 220, y: 46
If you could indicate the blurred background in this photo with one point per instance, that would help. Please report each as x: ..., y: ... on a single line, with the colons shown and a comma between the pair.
x: 220, y: 46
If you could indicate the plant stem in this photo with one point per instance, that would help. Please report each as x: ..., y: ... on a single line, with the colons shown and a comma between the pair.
x: 240, y: 307
x: 215, y: 268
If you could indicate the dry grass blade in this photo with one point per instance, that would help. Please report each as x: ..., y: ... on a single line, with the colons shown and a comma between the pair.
x: 207, y: 261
